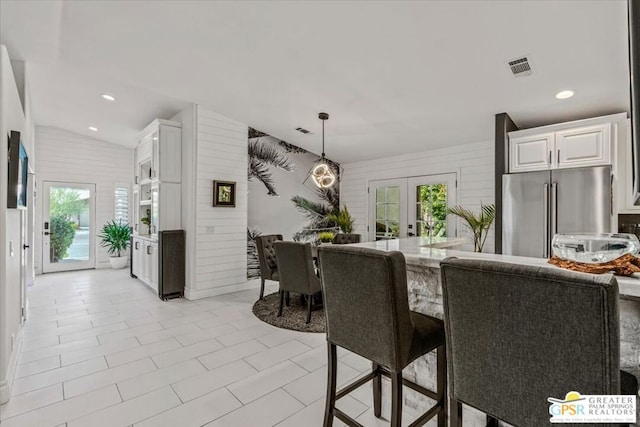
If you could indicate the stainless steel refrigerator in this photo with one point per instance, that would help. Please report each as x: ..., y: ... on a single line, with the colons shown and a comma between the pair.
x: 537, y: 205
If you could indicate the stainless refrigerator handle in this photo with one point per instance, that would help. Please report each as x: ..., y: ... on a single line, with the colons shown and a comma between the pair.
x: 545, y: 221
x: 554, y: 208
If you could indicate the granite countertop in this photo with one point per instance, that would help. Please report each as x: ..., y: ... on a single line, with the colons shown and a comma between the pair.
x: 421, y: 251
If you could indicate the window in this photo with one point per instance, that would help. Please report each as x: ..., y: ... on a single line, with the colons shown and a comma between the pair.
x: 121, y: 198
x: 387, y: 212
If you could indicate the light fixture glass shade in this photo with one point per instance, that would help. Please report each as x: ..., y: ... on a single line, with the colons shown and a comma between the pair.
x: 323, y: 176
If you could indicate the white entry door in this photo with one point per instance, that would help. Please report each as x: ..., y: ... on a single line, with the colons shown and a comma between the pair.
x: 68, y: 241
x: 415, y: 206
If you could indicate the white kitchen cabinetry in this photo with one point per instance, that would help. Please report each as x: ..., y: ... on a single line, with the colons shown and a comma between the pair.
x: 566, y: 145
x: 144, y: 263
x: 158, y: 166
x: 531, y: 152
x: 157, y: 204
x: 584, y: 146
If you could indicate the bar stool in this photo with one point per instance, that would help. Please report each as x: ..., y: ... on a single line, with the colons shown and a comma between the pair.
x: 517, y: 335
x: 367, y: 312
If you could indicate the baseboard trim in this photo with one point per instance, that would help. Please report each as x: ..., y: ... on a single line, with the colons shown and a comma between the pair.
x: 193, y: 294
x: 7, y: 383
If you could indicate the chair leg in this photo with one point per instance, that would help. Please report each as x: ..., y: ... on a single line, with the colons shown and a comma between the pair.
x: 455, y: 411
x: 281, y: 302
x: 377, y: 391
x: 396, y: 399
x: 287, y: 298
x: 442, y: 385
x: 309, y: 298
x: 262, y: 289
x: 330, y: 402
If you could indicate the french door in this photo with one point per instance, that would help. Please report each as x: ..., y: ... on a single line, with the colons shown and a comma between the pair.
x: 68, y: 241
x: 415, y: 206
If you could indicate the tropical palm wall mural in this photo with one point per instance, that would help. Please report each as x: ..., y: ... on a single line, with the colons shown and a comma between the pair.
x: 279, y: 201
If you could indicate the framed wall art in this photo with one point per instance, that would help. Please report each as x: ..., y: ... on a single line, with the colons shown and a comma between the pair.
x: 224, y: 194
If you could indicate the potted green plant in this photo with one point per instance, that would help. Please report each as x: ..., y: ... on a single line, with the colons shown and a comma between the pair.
x: 343, y: 219
x: 146, y: 220
x: 115, y: 237
x: 478, y: 223
x: 326, y: 237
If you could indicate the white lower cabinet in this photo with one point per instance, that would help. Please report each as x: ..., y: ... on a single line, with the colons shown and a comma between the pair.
x: 144, y: 261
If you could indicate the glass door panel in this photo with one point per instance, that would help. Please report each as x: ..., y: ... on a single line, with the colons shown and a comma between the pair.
x: 68, y: 228
x: 430, y: 196
x: 388, y: 209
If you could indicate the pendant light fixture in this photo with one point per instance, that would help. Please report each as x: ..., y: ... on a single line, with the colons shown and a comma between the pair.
x: 322, y: 174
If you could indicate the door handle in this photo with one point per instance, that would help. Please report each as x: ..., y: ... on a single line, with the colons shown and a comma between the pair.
x: 148, y: 250
x: 46, y: 233
x: 410, y: 234
x: 545, y: 220
x: 25, y: 247
x: 554, y: 208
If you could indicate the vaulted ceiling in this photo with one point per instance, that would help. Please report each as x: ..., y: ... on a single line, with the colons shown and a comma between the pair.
x: 395, y: 76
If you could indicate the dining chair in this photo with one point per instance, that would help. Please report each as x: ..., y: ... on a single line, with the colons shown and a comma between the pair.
x: 267, y: 259
x: 518, y: 334
x: 346, y: 238
x: 367, y: 312
x: 296, y: 272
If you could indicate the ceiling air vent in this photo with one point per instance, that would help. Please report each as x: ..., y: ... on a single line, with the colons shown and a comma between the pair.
x: 302, y: 130
x: 520, y: 67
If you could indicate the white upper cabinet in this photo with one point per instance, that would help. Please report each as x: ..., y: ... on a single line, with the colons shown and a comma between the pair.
x: 576, y: 144
x: 584, y: 146
x: 531, y: 153
x: 158, y: 166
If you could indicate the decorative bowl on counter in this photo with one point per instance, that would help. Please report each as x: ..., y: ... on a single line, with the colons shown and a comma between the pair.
x: 596, y: 248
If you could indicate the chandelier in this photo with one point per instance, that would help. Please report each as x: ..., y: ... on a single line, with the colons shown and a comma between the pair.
x: 322, y: 174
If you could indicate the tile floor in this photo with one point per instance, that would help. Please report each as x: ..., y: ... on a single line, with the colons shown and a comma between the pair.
x: 100, y: 349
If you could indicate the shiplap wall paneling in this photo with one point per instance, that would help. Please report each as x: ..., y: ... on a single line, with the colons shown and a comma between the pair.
x: 67, y: 157
x: 220, y: 232
x: 473, y: 164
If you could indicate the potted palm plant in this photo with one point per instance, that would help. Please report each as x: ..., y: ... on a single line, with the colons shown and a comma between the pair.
x: 343, y: 219
x: 478, y: 223
x: 115, y: 237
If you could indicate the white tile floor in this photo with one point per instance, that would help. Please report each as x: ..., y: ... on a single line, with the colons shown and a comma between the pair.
x: 100, y: 349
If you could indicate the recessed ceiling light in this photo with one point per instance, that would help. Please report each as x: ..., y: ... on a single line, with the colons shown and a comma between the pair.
x: 108, y: 97
x: 564, y: 94
x: 93, y: 128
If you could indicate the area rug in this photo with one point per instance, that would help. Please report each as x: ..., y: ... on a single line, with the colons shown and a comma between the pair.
x: 293, y: 317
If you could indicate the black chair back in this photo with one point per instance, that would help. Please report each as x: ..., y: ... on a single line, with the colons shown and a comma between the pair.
x: 366, y: 303
x: 517, y: 335
x: 267, y: 255
x: 295, y: 268
x: 346, y: 238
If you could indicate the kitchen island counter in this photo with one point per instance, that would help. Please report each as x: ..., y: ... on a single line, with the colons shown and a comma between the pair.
x: 425, y: 296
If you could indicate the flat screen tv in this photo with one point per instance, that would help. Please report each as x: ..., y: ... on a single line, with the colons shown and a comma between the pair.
x: 18, y: 166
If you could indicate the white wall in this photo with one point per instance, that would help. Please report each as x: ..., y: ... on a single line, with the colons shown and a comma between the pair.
x: 473, y: 164
x: 67, y: 157
x: 12, y: 117
x: 217, y: 149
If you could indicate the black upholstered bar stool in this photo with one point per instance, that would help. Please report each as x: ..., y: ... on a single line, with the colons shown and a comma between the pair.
x: 367, y: 312
x: 267, y: 259
x: 517, y: 335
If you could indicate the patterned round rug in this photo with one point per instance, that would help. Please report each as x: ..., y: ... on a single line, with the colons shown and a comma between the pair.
x: 293, y: 317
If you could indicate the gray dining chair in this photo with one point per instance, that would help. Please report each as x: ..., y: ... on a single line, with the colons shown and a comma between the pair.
x: 346, y: 238
x: 296, y: 271
x: 517, y: 335
x: 267, y: 259
x: 367, y: 312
